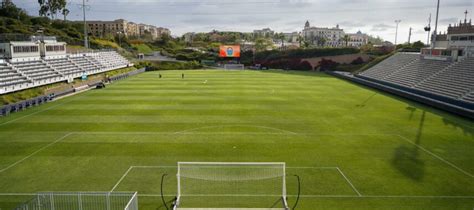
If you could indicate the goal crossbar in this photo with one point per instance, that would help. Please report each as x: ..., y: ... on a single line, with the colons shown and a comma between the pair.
x: 234, y: 173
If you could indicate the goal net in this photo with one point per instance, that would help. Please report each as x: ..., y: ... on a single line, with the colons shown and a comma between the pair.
x: 210, y: 185
x: 234, y: 67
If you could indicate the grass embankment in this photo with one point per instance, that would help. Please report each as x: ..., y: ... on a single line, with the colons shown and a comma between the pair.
x: 142, y: 48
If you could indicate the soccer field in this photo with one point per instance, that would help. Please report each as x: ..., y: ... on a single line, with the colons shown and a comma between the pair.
x: 353, y: 147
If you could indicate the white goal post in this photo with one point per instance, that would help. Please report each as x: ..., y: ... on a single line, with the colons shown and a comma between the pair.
x: 239, y: 182
x: 234, y: 66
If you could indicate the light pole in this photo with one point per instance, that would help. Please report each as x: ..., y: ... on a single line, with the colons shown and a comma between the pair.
x: 396, y: 31
x: 435, y: 32
x: 409, y: 36
x: 428, y: 29
x: 86, y: 42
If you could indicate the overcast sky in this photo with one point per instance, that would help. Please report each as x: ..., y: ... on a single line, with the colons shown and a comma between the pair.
x: 375, y: 17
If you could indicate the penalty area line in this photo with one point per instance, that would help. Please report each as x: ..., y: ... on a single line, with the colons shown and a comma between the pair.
x: 121, y: 178
x: 350, y: 183
x: 322, y: 196
x: 303, y: 196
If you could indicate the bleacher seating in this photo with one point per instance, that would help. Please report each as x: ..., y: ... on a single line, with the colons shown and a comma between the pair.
x: 10, y: 77
x: 84, y: 64
x: 416, y: 71
x: 96, y: 63
x: 37, y: 70
x: 469, y: 97
x: 65, y: 66
x: 110, y: 59
x: 453, y: 80
x: 31, y: 72
x: 390, y: 65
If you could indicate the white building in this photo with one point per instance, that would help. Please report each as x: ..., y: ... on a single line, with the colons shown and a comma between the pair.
x: 291, y: 37
x: 34, y: 48
x: 323, y: 37
x: 358, y: 39
x: 266, y: 32
x: 457, y: 42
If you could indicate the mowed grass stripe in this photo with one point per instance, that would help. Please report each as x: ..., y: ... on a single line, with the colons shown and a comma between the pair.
x: 304, y: 119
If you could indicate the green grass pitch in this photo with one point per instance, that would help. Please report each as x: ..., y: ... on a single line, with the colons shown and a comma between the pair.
x: 354, y: 147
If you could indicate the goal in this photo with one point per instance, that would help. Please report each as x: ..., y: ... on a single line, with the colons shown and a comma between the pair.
x: 234, y: 66
x: 234, y: 185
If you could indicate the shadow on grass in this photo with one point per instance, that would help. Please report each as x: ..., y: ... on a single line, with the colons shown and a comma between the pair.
x: 406, y: 159
x: 465, y: 128
x: 456, y: 121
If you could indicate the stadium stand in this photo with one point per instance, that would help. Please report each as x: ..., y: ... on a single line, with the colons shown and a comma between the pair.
x: 37, y: 70
x: 445, y: 78
x: 84, y: 64
x: 416, y: 71
x: 64, y: 66
x: 10, y: 77
x: 447, y: 82
x: 390, y: 65
x: 110, y: 59
x: 455, y: 81
x: 469, y: 97
x: 23, y: 73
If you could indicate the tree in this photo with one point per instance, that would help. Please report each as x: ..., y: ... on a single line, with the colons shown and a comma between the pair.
x: 65, y: 12
x: 6, y: 3
x: 44, y: 8
x: 375, y: 40
x: 321, y: 41
x: 346, y: 39
x: 418, y: 45
x: 262, y: 44
x: 51, y: 7
x: 281, y: 37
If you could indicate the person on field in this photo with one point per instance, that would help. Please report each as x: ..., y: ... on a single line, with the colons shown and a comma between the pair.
x: 182, y: 76
x: 159, y: 75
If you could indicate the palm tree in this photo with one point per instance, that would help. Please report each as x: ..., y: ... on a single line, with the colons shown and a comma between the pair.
x: 281, y: 36
x: 320, y: 41
x: 346, y: 39
x: 65, y: 12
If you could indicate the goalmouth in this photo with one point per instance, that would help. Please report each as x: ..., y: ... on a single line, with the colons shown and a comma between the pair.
x: 231, y: 185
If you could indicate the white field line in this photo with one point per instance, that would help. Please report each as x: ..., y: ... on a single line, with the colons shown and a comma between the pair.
x: 226, y: 126
x: 153, y: 166
x: 121, y: 178
x: 295, y: 167
x: 348, y: 181
x: 164, y: 133
x: 321, y: 196
x: 17, y: 194
x: 133, y: 167
x: 34, y: 153
x: 206, y: 133
x: 302, y: 196
x: 438, y: 157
